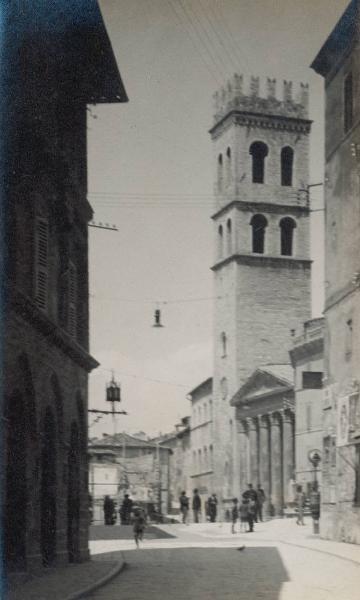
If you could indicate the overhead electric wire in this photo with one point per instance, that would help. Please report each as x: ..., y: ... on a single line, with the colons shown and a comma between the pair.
x: 120, y: 374
x: 208, y: 66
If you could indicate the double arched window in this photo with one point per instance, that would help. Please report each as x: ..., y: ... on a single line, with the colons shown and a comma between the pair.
x: 287, y: 161
x: 259, y: 152
x: 287, y: 226
x: 258, y: 224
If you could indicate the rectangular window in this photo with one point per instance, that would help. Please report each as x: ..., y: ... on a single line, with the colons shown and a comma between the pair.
x: 41, y: 262
x: 348, y: 102
x: 312, y: 380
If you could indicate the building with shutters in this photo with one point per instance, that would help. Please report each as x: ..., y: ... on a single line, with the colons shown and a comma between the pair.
x: 61, y: 60
x: 262, y: 278
x: 338, y: 62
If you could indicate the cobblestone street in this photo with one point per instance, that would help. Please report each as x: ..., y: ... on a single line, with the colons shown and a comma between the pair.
x: 204, y: 562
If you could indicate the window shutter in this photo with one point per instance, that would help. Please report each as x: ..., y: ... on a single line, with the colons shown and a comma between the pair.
x: 42, y: 260
x: 72, y: 320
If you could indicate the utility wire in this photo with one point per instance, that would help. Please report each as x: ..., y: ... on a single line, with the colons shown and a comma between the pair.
x: 228, y: 53
x: 120, y: 374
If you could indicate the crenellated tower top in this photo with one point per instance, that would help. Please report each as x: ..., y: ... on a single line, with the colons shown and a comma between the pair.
x: 239, y: 95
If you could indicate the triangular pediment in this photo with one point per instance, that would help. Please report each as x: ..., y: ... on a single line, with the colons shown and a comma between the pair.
x: 265, y: 381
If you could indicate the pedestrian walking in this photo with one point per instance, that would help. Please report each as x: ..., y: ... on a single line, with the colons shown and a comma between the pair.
x: 251, y: 514
x: 139, y: 524
x: 234, y: 515
x: 212, y: 504
x: 300, y: 501
x: 243, y: 515
x: 196, y: 506
x: 184, y: 506
x: 260, y: 501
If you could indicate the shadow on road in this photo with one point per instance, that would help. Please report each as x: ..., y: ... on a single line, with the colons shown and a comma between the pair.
x: 125, y: 532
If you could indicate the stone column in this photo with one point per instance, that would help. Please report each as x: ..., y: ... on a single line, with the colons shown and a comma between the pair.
x: 243, y: 455
x: 253, y: 451
x: 288, y: 453
x: 264, y: 443
x: 276, y: 466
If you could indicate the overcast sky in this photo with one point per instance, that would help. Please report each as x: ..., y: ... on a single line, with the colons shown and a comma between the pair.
x: 150, y: 173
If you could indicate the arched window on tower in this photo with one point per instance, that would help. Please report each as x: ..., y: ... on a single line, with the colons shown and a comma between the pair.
x: 287, y: 226
x: 228, y: 236
x: 228, y: 165
x: 259, y: 152
x: 220, y: 173
x: 220, y: 241
x: 287, y: 162
x: 258, y: 224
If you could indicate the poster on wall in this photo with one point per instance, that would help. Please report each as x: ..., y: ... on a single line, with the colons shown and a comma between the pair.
x: 343, y: 421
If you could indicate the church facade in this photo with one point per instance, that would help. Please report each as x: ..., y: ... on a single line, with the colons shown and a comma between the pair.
x: 262, y: 279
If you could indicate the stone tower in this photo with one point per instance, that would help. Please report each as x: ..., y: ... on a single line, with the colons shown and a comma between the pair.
x: 261, y: 227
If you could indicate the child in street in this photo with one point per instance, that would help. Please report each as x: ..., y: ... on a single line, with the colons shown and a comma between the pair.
x: 243, y: 516
x: 234, y: 514
x: 139, y: 523
x: 251, y: 506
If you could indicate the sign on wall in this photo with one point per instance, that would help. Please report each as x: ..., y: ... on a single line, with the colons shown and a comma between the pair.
x: 342, y: 421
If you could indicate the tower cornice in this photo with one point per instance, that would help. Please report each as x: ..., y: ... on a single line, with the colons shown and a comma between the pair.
x: 249, y: 206
x: 262, y: 260
x: 260, y: 120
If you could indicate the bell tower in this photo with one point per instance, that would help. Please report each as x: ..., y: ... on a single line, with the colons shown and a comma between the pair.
x: 262, y: 264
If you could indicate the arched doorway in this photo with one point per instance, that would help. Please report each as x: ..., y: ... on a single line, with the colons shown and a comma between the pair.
x: 73, y: 504
x: 48, y: 489
x: 16, y: 489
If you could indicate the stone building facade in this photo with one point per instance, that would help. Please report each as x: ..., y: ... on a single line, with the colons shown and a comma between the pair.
x: 338, y: 62
x: 123, y: 464
x: 179, y: 462
x: 201, y: 432
x: 261, y: 230
x: 307, y: 357
x: 58, y: 59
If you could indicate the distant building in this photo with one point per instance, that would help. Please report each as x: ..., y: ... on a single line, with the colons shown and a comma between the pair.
x: 339, y: 63
x: 262, y: 262
x: 201, y: 440
x: 179, y: 461
x: 307, y: 357
x: 56, y: 58
x: 122, y: 464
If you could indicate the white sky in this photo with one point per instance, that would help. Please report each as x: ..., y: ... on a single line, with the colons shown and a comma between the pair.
x: 150, y: 173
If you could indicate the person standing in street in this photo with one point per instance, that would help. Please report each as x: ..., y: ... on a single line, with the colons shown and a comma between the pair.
x: 196, y: 506
x: 251, y: 504
x: 300, y: 501
x: 212, y: 503
x: 260, y: 501
x: 250, y: 494
x: 243, y: 515
x: 184, y: 506
x: 234, y: 515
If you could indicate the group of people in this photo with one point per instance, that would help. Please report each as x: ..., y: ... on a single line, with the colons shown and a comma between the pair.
x: 129, y: 513
x: 250, y: 510
x: 210, y: 507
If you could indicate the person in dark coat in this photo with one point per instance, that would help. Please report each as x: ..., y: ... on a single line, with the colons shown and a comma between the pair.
x: 108, y: 510
x: 250, y: 494
x: 125, y: 510
x: 234, y: 515
x: 196, y: 506
x: 184, y: 506
x: 212, y: 504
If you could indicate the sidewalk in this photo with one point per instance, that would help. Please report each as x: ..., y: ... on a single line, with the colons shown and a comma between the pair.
x: 66, y: 583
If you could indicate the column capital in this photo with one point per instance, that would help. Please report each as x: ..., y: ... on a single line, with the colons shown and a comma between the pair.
x: 251, y: 423
x: 287, y: 415
x: 241, y: 426
x: 264, y: 420
x: 275, y: 418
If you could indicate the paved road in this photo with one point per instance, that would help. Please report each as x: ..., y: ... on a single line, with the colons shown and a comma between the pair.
x: 264, y: 570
